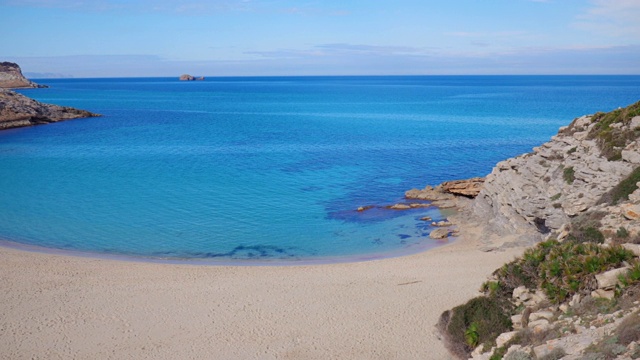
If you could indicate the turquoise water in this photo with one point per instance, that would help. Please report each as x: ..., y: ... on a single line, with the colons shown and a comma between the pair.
x: 269, y: 168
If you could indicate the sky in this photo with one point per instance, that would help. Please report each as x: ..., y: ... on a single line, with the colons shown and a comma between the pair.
x: 140, y: 38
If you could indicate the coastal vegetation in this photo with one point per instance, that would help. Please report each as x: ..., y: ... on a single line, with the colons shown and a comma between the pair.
x: 622, y: 191
x: 609, y: 132
x: 582, y: 278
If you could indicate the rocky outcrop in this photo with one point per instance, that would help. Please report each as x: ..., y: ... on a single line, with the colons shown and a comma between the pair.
x: 187, y: 77
x: 17, y: 110
x: 11, y: 77
x: 539, y: 192
x: 469, y: 188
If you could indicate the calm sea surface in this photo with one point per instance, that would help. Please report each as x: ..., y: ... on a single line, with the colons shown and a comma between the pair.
x: 269, y: 169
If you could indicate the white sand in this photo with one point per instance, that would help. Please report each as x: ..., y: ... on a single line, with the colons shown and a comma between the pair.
x: 63, y: 307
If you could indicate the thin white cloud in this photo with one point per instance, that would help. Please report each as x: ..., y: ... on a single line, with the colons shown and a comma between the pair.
x: 614, y: 18
x: 345, y: 59
x: 141, y: 6
x: 485, y: 34
x: 341, y: 49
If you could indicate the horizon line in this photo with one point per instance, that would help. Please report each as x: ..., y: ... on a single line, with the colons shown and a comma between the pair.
x: 310, y: 76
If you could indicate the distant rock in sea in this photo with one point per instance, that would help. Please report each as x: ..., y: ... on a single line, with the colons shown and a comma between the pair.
x: 17, y: 110
x: 11, y: 77
x: 187, y: 77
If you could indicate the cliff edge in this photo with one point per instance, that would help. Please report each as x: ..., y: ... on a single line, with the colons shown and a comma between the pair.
x: 11, y: 77
x: 576, y: 293
x: 17, y: 110
x: 536, y: 195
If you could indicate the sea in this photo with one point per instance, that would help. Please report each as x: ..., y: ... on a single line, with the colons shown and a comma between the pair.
x: 269, y: 170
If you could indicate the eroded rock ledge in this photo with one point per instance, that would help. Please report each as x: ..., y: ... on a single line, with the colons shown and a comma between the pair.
x: 17, y: 110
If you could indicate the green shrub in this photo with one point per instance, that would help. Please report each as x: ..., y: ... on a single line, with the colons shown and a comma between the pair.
x: 632, y: 276
x: 569, y: 175
x: 623, y: 189
x: 622, y: 233
x: 499, y: 353
x: 555, y: 197
x: 610, y: 139
x: 479, y: 321
x: 560, y: 269
x: 572, y: 150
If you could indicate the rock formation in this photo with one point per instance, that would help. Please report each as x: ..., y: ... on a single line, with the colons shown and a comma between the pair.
x: 17, y: 110
x: 580, y: 192
x: 537, y: 193
x: 11, y: 77
x: 469, y: 188
x: 187, y: 77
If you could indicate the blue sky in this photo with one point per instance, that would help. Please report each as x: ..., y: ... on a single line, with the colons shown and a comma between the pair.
x: 112, y: 38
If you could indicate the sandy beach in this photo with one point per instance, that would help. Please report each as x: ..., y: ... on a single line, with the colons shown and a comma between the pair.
x: 62, y: 307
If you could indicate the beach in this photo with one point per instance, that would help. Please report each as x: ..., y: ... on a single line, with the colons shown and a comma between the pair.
x: 60, y: 307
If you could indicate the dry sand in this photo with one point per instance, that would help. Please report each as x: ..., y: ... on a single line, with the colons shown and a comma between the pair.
x: 63, y: 307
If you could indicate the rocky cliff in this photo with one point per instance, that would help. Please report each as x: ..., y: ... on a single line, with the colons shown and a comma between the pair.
x: 11, y: 77
x: 17, y: 110
x: 538, y: 193
x: 575, y: 295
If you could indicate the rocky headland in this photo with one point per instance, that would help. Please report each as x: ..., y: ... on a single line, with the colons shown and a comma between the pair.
x: 17, y: 110
x: 575, y: 292
x: 11, y: 77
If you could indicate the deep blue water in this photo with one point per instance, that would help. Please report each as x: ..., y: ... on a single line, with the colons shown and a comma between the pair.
x: 270, y: 167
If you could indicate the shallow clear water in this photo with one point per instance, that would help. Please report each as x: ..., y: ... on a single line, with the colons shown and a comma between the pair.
x: 269, y: 168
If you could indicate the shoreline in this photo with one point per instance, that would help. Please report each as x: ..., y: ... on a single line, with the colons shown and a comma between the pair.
x: 221, y: 261
x: 60, y: 306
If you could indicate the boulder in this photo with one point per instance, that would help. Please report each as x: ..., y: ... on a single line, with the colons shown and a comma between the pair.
x: 428, y: 193
x: 441, y: 223
x: 634, y: 248
x: 470, y: 187
x: 419, y: 205
x: 519, y: 291
x: 539, y: 325
x: 635, y: 196
x: 603, y: 294
x: 440, y: 233
x: 505, y: 338
x: 365, y: 208
x: 548, y: 315
x: 631, y: 211
x: 399, y: 207
x: 609, y: 279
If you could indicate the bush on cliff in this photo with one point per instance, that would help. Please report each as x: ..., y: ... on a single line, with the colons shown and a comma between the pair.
x: 623, y: 189
x: 611, y: 139
x: 559, y: 269
x: 477, y: 322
